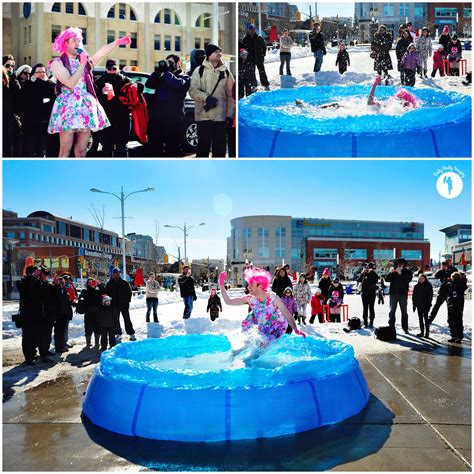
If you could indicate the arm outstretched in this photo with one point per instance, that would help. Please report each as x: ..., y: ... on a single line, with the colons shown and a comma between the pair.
x: 370, y: 99
x: 230, y: 301
x: 107, y: 49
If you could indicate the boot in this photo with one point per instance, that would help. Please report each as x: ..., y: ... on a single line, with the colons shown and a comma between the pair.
x: 298, y: 318
x: 304, y: 320
x: 312, y: 318
x: 366, y: 324
x: 88, y: 342
x: 97, y: 341
x: 371, y: 324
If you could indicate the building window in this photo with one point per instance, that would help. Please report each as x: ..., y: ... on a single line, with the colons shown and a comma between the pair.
x: 467, y: 13
x: 47, y: 228
x: 177, y: 21
x: 157, y: 45
x: 22, y: 235
x: 122, y: 64
x: 111, y: 13
x: 404, y: 9
x: 203, y: 21
x: 355, y: 254
x: 82, y: 10
x: 263, y: 242
x: 31, y: 236
x: 158, y: 17
x: 388, y: 9
x: 177, y: 43
x: 280, y: 242
x: 420, y: 9
x: 133, y: 63
x: 121, y: 35
x: 122, y: 12
x: 61, y: 228
x: 70, y: 8
x: 167, y: 16
x: 133, y: 17
x: 247, y: 241
x: 56, y: 7
x: 84, y: 35
x: 446, y: 12
x: 25, y: 37
x: 167, y: 43
x: 197, y: 43
x: 383, y: 254
x: 133, y: 37
x: 206, y: 42
x: 29, y: 34
x: 11, y: 235
x: 325, y: 253
x: 412, y: 254
x: 110, y: 36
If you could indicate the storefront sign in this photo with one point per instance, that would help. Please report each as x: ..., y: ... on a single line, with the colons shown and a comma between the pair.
x: 307, y: 223
x: 91, y: 253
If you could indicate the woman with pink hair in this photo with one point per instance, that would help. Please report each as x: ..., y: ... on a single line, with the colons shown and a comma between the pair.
x: 407, y: 99
x: 268, y: 313
x: 77, y: 111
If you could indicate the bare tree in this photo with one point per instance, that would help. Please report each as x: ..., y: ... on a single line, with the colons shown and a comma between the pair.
x: 101, y: 264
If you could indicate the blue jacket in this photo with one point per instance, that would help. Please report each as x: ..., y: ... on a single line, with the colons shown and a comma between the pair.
x: 170, y: 92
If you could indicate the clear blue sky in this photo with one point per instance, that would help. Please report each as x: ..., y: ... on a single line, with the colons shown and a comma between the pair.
x: 327, y: 9
x: 217, y: 191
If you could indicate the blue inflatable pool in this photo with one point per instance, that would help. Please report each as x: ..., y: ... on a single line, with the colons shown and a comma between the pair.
x: 270, y: 125
x: 188, y: 388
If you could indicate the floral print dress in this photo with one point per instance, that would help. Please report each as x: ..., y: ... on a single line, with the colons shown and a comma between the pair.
x: 77, y: 110
x: 270, y: 322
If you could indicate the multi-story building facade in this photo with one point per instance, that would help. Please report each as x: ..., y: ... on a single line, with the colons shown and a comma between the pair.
x: 458, y: 241
x: 143, y: 246
x: 457, y: 16
x: 310, y: 244
x: 156, y: 29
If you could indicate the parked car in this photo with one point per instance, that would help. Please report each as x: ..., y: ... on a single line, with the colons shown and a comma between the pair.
x: 189, y: 140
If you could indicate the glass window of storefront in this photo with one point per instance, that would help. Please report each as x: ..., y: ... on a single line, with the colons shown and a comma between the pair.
x: 325, y: 253
x: 355, y: 254
x: 280, y: 242
x: 412, y: 254
x: 383, y: 254
x: 263, y: 242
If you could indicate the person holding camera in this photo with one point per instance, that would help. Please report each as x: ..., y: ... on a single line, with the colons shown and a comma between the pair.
x: 369, y: 280
x: 171, y: 85
x: 399, y: 278
x: 443, y: 275
x: 188, y: 293
x: 211, y: 88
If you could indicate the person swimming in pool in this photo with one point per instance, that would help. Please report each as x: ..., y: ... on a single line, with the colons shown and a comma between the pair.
x: 407, y: 99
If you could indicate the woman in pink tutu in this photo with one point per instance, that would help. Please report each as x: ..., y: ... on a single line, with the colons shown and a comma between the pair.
x: 268, y: 314
x: 77, y: 111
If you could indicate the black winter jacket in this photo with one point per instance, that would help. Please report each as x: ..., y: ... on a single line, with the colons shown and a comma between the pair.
x: 58, y: 303
x: 343, y: 58
x: 399, y: 284
x: 36, y: 100
x: 117, y: 112
x: 31, y: 299
x: 317, y: 42
x: 92, y: 297
x: 369, y: 282
x: 422, y: 296
x: 186, y: 286
x: 455, y: 290
x: 214, y: 304
x: 339, y: 288
x: 280, y: 284
x: 324, y: 284
x: 256, y: 48
x: 120, y: 292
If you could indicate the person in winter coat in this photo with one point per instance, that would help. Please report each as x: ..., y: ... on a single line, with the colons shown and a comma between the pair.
x: 107, y: 315
x: 324, y: 283
x: 422, y: 300
x: 369, y: 280
x: 247, y: 79
x: 285, y: 52
x: 214, y: 305
x: 121, y: 293
x: 255, y: 45
x: 443, y: 275
x: 72, y: 293
x: 318, y: 46
x: 454, y: 42
x: 342, y: 58
x: 445, y: 38
x: 411, y: 64
x: 114, y: 139
x: 91, y: 298
x: 281, y: 282
x: 438, y: 57
x: 61, y: 304
x: 196, y: 58
x: 424, y: 47
x: 188, y: 293
x: 9, y: 119
x: 402, y: 47
x: 399, y: 278
x: 454, y: 57
x: 302, y: 297
x: 36, y: 98
x: 167, y: 114
x: 317, y: 302
x: 381, y: 292
x: 381, y: 46
x: 290, y: 303
x: 334, y: 304
x: 211, y: 89
x: 456, y: 287
x: 336, y: 285
x: 151, y: 296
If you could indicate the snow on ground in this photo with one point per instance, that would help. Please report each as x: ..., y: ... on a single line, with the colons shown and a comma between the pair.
x: 359, y: 72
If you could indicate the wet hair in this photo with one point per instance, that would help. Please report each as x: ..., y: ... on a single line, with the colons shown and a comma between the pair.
x: 259, y: 276
x: 60, y: 42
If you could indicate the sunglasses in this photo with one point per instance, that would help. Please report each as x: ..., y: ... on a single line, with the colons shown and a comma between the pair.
x: 9, y: 65
x: 112, y: 69
x: 27, y: 73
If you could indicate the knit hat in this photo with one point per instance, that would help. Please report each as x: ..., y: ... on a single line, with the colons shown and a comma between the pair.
x: 411, y: 45
x: 116, y: 270
x: 243, y: 53
x: 251, y: 27
x: 211, y: 48
x: 23, y: 68
x: 288, y: 289
x: 106, y: 300
x: 317, y: 291
x: 326, y: 272
x: 454, y: 49
x: 440, y: 46
x: 455, y: 37
x: 335, y: 294
x: 110, y: 63
x: 446, y: 29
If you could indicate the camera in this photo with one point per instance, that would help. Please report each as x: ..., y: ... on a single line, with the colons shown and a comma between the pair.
x: 163, y: 66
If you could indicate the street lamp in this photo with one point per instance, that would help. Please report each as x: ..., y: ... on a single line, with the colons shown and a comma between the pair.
x: 185, y: 233
x: 122, y: 199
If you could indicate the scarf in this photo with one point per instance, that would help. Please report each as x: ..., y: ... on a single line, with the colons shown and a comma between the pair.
x: 87, y: 76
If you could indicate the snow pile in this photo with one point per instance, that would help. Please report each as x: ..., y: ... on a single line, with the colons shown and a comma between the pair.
x: 296, y: 52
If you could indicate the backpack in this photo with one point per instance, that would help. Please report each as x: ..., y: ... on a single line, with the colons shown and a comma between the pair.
x: 385, y: 333
x: 354, y: 323
x: 201, y: 72
x: 81, y: 306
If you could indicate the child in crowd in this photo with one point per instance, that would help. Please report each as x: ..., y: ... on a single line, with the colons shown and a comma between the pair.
x: 343, y: 59
x: 424, y: 46
x: 247, y: 79
x: 290, y: 304
x: 438, y: 57
x: 422, y: 301
x: 454, y: 57
x: 410, y: 63
x: 317, y: 302
x: 457, y: 285
x: 107, y: 322
x: 334, y: 304
x: 214, y: 305
x: 337, y: 286
x: 380, y: 292
x: 302, y: 297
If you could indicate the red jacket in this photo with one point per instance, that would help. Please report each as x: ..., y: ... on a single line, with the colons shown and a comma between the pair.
x: 137, y: 105
x: 438, y: 60
x: 317, y: 304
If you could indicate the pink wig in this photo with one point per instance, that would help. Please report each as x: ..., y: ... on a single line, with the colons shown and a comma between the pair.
x: 60, y: 42
x: 408, y: 98
x: 259, y: 276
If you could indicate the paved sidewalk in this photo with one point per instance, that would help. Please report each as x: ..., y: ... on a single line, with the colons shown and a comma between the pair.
x: 418, y: 419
